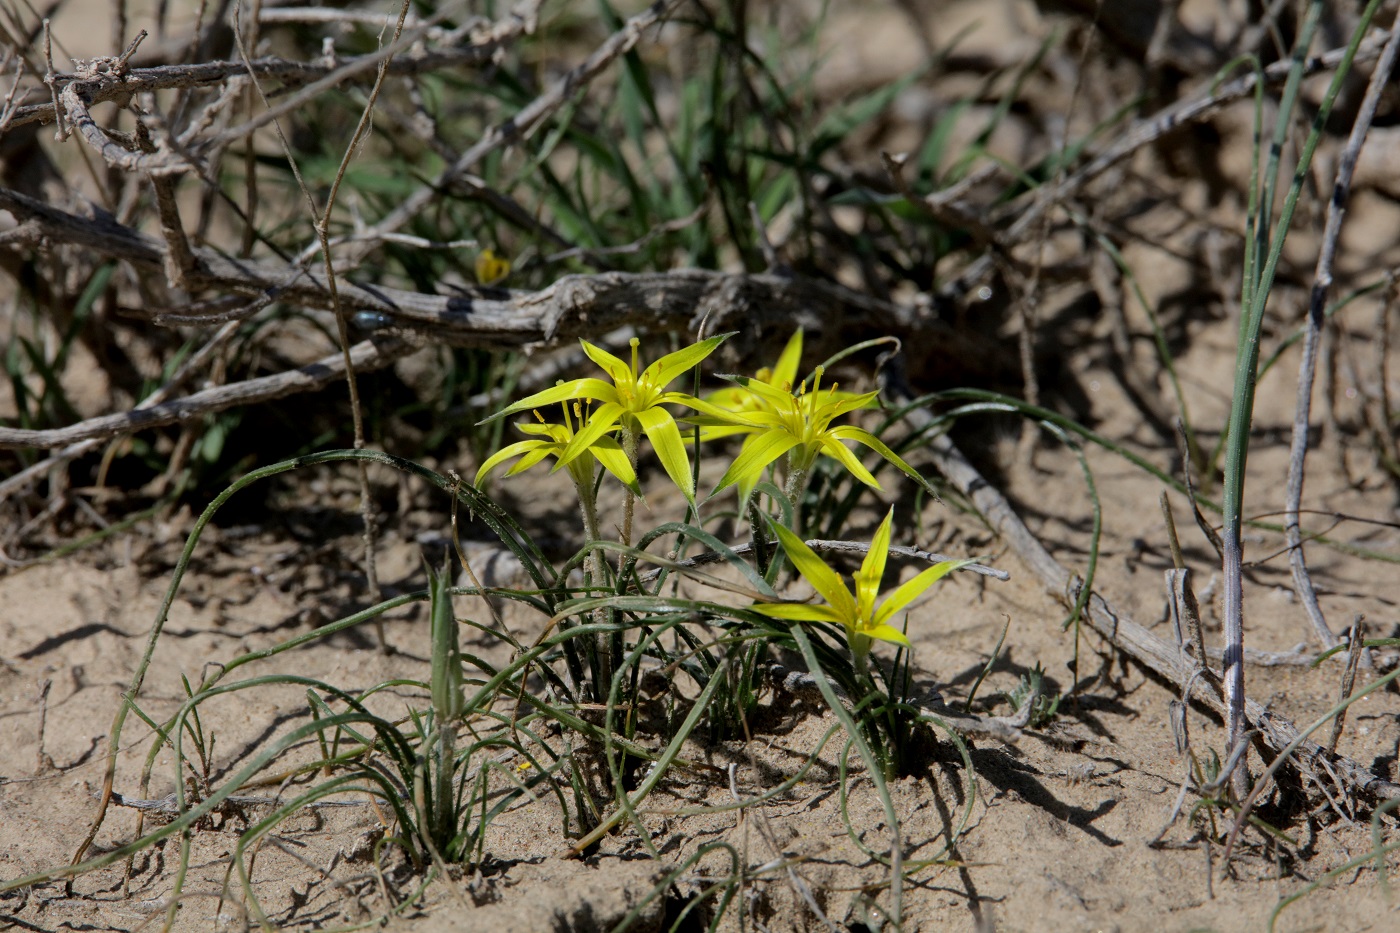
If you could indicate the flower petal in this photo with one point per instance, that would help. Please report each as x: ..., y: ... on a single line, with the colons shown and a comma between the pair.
x: 801, y: 612
x: 708, y: 409
x: 665, y: 438
x: 872, y: 569
x: 555, y: 431
x: 759, y: 451
x: 501, y: 456
x: 911, y: 590
x: 673, y: 364
x: 617, y: 369
x: 842, y: 403
x: 609, y: 453
x: 602, y: 420
x: 824, y: 580
x: 781, y: 399
x: 533, y: 457
x: 785, y: 370
x: 578, y: 388
x: 839, y: 452
x: 850, y: 432
x: 886, y: 633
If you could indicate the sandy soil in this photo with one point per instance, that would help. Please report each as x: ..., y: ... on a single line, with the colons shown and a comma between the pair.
x: 1058, y: 826
x: 1067, y: 829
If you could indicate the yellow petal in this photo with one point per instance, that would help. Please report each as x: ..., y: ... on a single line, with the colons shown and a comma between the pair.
x: 665, y: 438
x: 824, y: 580
x: 780, y: 398
x: 616, y: 369
x: 910, y: 591
x: 800, y: 612
x: 533, y: 457
x: 501, y: 456
x: 886, y: 633
x: 759, y: 451
x: 578, y: 388
x: 785, y: 371
x: 491, y: 268
x: 673, y: 364
x: 609, y: 453
x: 872, y: 569
x: 849, y: 432
x: 840, y: 453
x: 600, y: 422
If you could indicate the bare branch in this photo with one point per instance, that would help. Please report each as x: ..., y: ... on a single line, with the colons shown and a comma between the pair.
x: 1307, y: 367
x: 1143, y: 133
x: 574, y: 306
x: 100, y: 88
x: 364, y: 356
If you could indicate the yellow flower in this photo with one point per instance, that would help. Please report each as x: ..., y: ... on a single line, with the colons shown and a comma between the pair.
x: 491, y: 268
x: 551, y: 441
x: 634, y: 401
x: 798, y: 424
x: 856, y: 612
x: 735, y: 399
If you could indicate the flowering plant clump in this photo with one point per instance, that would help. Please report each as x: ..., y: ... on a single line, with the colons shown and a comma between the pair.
x: 786, y: 424
x: 635, y: 401
x: 857, y: 612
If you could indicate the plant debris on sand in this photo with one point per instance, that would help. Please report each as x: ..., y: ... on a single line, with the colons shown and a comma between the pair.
x: 699, y: 466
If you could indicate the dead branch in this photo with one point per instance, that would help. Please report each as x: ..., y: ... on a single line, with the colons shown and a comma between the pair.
x: 1307, y: 366
x: 101, y: 87
x: 532, y: 114
x: 1030, y: 208
x: 490, y: 318
x: 364, y: 356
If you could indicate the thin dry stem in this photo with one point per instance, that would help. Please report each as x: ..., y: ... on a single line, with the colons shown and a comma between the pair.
x: 1307, y: 367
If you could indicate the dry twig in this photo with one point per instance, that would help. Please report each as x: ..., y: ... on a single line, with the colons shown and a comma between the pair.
x: 1307, y: 366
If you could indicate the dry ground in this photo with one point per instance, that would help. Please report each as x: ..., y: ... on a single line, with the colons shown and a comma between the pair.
x: 1059, y: 825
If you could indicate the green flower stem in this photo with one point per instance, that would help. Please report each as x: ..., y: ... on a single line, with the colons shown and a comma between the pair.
x: 629, y: 503
x: 795, y: 486
x: 588, y: 508
x: 597, y: 577
x: 860, y: 653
